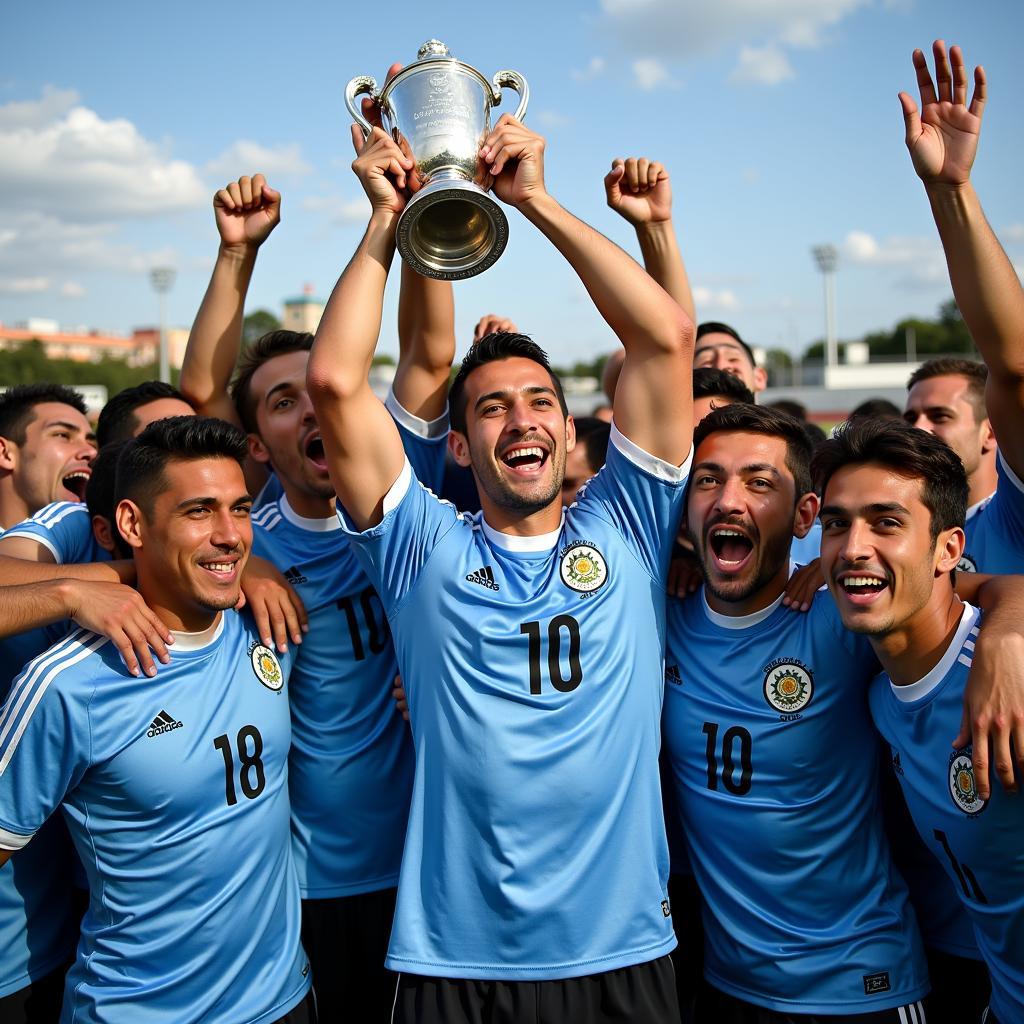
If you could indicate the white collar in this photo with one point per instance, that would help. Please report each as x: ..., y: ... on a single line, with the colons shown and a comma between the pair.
x: 539, y: 542
x: 923, y: 686
x: 332, y: 522
x: 197, y: 641
x: 742, y: 621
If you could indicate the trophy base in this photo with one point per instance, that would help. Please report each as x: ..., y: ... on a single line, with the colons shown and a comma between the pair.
x: 451, y: 230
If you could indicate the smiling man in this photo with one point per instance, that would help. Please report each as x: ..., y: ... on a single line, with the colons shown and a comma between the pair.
x: 894, y: 504
x: 529, y: 642
x: 174, y: 788
x: 773, y: 759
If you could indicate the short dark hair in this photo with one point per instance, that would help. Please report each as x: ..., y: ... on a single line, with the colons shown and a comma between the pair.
x: 755, y: 419
x: 709, y: 382
x: 716, y: 327
x: 791, y: 407
x: 879, y: 408
x: 594, y: 435
x: 975, y: 373
x: 142, y: 463
x: 490, y: 349
x: 264, y: 348
x: 99, y: 492
x: 907, y: 451
x: 117, y: 420
x: 17, y: 405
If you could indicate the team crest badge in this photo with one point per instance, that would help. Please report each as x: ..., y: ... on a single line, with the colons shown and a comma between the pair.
x: 966, y: 564
x: 583, y: 568
x: 788, y: 686
x: 266, y: 666
x: 962, y: 787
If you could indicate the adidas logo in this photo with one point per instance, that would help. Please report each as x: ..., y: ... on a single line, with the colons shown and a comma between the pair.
x: 485, y: 577
x: 294, y: 577
x: 163, y: 723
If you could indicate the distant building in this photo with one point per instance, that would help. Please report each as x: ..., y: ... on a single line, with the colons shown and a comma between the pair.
x: 83, y: 347
x: 303, y: 312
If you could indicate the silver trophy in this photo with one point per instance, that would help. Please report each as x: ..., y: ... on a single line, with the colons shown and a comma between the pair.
x: 438, y: 110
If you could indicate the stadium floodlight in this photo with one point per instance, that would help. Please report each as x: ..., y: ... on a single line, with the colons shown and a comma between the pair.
x: 827, y: 259
x: 162, y: 280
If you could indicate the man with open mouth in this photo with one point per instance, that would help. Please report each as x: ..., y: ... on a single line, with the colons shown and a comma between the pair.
x: 893, y: 510
x: 529, y: 637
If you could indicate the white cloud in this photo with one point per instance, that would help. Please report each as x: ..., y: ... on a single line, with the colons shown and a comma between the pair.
x: 921, y: 258
x: 650, y: 74
x: 23, y: 285
x: 1012, y: 233
x: 72, y: 290
x: 245, y: 157
x: 751, y: 175
x: 595, y: 67
x: 766, y: 65
x: 336, y: 209
x: 80, y: 167
x: 34, y: 113
x: 708, y: 298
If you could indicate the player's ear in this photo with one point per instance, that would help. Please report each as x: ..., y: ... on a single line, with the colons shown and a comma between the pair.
x: 805, y: 514
x: 988, y: 437
x: 129, y: 519
x: 8, y: 454
x: 760, y: 378
x: 458, y: 446
x: 570, y: 433
x: 949, y: 549
x: 258, y: 450
x: 103, y: 531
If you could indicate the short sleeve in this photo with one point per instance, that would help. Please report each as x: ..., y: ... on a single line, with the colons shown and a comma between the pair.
x: 64, y: 528
x: 45, y: 737
x: 1007, y: 507
x: 425, y: 442
x: 641, y: 496
x: 394, y: 552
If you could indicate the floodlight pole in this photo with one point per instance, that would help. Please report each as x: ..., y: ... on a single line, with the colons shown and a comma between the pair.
x: 162, y: 280
x: 827, y: 258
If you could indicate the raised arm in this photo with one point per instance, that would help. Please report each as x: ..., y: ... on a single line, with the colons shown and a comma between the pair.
x: 653, y: 399
x: 639, y: 191
x: 246, y: 211
x: 943, y: 140
x: 426, y: 344
x: 364, y: 449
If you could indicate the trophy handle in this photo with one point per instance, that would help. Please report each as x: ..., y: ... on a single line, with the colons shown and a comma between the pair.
x: 359, y: 85
x: 515, y: 81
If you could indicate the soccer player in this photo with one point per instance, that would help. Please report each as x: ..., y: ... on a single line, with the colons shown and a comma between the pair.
x: 720, y: 347
x: 351, y: 763
x: 587, y: 457
x: 773, y: 757
x: 957, y: 400
x: 894, y: 503
x: 175, y: 788
x: 529, y: 641
x: 132, y: 409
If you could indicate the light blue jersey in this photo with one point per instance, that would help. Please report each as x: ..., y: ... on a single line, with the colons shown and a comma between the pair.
x: 805, y: 550
x: 64, y: 528
x: 995, y: 527
x: 980, y: 844
x: 533, y: 667
x: 351, y: 765
x: 38, y: 930
x: 175, y: 792
x: 775, y: 764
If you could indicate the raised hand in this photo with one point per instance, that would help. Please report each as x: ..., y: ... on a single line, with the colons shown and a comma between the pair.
x: 491, y: 323
x: 381, y: 168
x: 514, y: 157
x: 638, y: 189
x: 943, y: 136
x: 246, y: 211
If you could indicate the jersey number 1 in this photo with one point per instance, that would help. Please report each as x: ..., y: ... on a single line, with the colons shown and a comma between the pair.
x: 251, y: 776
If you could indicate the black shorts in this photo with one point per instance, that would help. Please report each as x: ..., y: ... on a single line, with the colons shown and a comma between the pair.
x: 38, y: 1002
x: 304, y: 1013
x: 346, y: 940
x: 960, y: 989
x: 716, y: 1007
x: 641, y: 994
x: 689, y: 954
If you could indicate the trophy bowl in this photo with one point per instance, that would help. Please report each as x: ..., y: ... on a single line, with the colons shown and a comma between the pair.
x: 438, y: 110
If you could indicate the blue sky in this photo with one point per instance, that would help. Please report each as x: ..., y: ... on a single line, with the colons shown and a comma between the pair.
x: 778, y: 122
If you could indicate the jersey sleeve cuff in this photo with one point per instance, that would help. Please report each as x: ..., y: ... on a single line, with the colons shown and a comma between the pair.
x: 392, y: 500
x: 650, y: 464
x: 12, y: 840
x: 41, y: 541
x: 430, y: 429
x: 1013, y: 478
